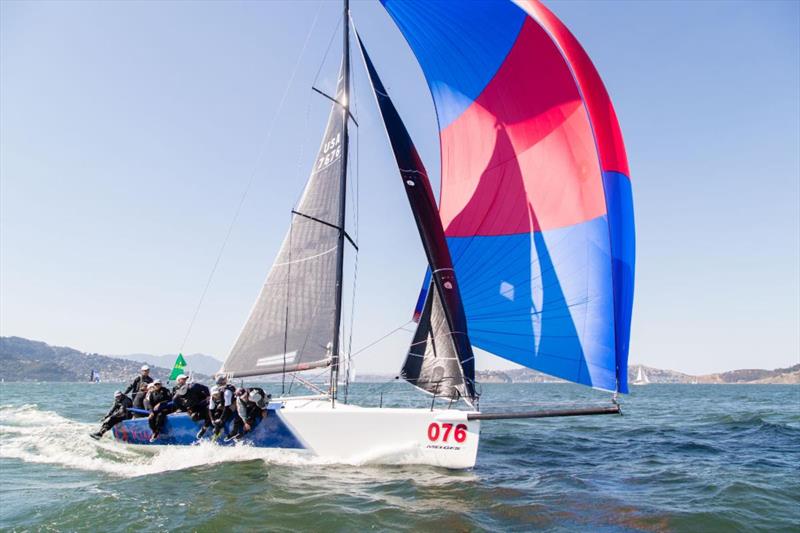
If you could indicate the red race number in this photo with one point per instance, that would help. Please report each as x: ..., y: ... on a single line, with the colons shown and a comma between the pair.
x: 444, y: 430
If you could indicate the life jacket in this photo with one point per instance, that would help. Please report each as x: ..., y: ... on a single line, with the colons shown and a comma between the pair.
x: 248, y: 411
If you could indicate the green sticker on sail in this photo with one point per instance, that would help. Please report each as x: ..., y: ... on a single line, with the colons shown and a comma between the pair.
x: 177, y: 370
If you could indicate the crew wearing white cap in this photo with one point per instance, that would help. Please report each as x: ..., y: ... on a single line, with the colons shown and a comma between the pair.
x: 251, y: 406
x: 222, y: 405
x: 158, y: 402
x: 117, y: 413
x: 180, y: 381
x: 143, y: 377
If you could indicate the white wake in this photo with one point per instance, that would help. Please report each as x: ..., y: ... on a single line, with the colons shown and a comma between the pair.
x: 34, y: 435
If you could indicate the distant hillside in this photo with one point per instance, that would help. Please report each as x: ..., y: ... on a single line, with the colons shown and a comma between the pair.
x: 789, y: 375
x: 517, y: 375
x: 27, y: 360
x: 786, y: 376
x: 778, y: 376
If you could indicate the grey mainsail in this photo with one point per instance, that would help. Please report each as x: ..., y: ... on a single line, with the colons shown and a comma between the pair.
x: 293, y: 322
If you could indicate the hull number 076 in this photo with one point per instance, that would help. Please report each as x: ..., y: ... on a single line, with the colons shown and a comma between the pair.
x: 443, y: 432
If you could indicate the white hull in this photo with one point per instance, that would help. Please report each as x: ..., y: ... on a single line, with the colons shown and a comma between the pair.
x: 341, y: 433
x: 347, y: 433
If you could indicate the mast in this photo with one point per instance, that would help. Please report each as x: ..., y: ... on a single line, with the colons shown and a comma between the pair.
x: 345, y: 104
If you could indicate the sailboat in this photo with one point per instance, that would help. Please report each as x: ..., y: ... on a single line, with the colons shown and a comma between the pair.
x: 530, y: 250
x: 94, y: 376
x: 641, y: 377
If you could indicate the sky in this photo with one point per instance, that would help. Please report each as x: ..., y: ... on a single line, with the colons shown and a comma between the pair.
x: 133, y: 135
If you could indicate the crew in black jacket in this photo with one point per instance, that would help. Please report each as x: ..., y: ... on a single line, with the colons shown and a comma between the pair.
x: 251, y: 406
x: 158, y: 402
x: 138, y: 400
x: 180, y: 381
x: 143, y: 377
x: 117, y: 413
x: 222, y: 405
x: 193, y: 398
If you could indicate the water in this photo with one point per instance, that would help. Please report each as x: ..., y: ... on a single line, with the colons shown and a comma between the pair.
x: 683, y: 458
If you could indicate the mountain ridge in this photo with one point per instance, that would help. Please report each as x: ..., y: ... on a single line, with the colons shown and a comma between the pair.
x: 789, y: 375
x: 28, y: 360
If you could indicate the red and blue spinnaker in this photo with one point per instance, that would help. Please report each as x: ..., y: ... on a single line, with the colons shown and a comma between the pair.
x: 535, y: 195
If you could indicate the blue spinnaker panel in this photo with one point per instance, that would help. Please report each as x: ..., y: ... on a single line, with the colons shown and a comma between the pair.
x: 535, y: 198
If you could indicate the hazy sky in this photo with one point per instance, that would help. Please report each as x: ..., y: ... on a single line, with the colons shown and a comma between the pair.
x: 129, y: 132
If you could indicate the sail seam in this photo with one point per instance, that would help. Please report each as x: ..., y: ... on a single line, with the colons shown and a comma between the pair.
x: 307, y: 258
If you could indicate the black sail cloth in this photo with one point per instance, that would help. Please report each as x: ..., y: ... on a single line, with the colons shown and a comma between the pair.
x: 440, y: 360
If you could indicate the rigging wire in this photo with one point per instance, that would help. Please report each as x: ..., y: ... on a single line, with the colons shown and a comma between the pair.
x: 251, y: 180
x: 395, y: 330
x: 327, y: 50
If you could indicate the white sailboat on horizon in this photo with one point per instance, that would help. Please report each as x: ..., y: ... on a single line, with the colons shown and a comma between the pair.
x: 641, y: 377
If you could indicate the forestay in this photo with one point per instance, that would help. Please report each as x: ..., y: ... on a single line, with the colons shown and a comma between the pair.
x: 291, y: 326
x: 440, y: 360
x: 535, y: 196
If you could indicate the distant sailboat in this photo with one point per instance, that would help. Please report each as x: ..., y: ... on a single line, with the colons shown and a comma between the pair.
x: 94, y: 376
x: 529, y: 255
x: 641, y: 377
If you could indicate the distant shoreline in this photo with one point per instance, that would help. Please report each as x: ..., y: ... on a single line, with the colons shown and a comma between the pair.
x: 27, y: 361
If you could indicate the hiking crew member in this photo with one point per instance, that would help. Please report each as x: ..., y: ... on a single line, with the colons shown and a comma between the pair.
x: 221, y: 405
x: 180, y: 382
x: 143, y: 377
x: 158, y: 402
x: 138, y: 400
x: 251, y: 407
x: 115, y: 415
x: 193, y: 398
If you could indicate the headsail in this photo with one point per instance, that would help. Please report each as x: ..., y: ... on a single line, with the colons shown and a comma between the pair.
x: 292, y: 325
x: 440, y: 359
x: 535, y: 197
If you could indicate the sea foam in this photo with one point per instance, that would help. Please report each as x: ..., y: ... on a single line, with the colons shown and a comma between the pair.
x: 34, y: 435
